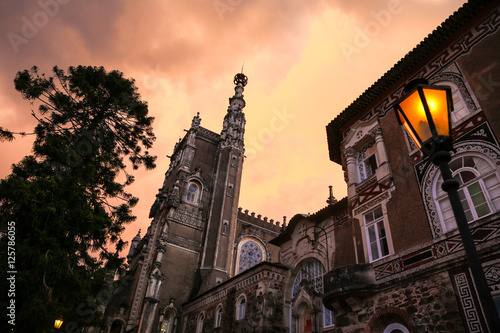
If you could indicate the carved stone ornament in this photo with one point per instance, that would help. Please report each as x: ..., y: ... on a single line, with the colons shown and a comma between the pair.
x: 174, y: 197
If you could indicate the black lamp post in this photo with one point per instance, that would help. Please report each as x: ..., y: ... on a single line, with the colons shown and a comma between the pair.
x: 425, y: 111
x: 316, y: 241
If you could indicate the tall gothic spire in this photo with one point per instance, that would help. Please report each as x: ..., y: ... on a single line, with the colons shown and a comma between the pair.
x: 233, y: 127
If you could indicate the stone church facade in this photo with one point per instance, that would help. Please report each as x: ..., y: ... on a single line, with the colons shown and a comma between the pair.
x: 386, y: 258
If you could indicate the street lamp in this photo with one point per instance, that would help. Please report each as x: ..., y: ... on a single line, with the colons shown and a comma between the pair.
x: 316, y: 241
x: 58, y: 322
x: 424, y: 111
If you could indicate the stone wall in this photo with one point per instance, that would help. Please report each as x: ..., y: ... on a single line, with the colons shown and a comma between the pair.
x: 262, y: 287
x: 425, y: 305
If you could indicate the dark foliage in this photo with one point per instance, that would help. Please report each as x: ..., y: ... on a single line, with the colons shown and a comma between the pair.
x: 68, y: 200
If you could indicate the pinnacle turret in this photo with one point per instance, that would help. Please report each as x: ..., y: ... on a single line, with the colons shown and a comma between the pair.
x: 233, y: 127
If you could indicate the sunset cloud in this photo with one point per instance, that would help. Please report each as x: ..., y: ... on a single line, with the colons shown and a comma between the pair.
x: 305, y: 60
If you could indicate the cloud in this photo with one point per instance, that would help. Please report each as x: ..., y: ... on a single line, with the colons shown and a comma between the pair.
x: 183, y: 55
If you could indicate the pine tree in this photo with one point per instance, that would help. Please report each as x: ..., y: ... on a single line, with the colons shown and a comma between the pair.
x: 68, y: 200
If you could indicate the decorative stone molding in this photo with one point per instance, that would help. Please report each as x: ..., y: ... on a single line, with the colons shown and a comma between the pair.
x: 186, y: 217
x: 480, y: 147
x: 397, y: 312
x: 372, y: 203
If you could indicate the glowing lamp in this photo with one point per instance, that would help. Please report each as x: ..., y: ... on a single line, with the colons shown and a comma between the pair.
x: 425, y: 113
x: 58, y: 323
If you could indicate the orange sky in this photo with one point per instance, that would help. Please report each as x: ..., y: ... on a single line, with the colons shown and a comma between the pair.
x: 306, y: 60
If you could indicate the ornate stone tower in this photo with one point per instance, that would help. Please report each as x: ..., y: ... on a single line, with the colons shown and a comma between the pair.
x: 189, y: 245
x: 220, y: 229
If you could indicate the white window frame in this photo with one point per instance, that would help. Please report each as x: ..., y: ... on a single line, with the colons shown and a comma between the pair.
x: 396, y: 326
x: 458, y: 103
x: 241, y: 307
x: 376, y: 223
x: 490, y: 193
x: 218, y: 316
x: 193, y: 197
x: 328, y: 318
x: 362, y: 162
x: 199, y: 324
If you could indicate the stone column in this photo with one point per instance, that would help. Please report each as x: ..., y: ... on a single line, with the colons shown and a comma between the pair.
x: 379, y: 141
x: 352, y: 172
x: 161, y: 248
x: 148, y: 315
x: 151, y: 302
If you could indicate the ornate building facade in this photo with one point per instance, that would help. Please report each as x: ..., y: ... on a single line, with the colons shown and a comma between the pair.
x: 198, y: 238
x: 386, y: 258
x: 409, y: 272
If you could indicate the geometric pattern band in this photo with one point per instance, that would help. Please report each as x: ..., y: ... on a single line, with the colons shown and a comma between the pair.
x: 467, y: 304
x: 444, y: 248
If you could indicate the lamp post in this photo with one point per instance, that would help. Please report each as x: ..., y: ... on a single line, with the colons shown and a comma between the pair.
x: 424, y: 111
x: 316, y: 241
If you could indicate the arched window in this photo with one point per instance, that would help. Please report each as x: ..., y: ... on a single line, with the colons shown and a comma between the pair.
x: 479, y: 189
x: 460, y: 109
x: 225, y: 225
x: 313, y: 271
x: 193, y: 192
x: 396, y: 328
x: 218, y: 316
x: 166, y: 324
x: 250, y: 254
x: 240, y: 308
x: 116, y: 327
x: 199, y: 327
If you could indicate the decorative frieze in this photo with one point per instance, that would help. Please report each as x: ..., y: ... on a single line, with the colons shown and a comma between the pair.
x: 467, y: 302
x: 370, y: 198
x: 427, y: 172
x: 186, y: 217
x: 440, y: 251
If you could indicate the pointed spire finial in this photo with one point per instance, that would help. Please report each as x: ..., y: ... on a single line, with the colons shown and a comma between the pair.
x: 195, y: 123
x: 240, y: 79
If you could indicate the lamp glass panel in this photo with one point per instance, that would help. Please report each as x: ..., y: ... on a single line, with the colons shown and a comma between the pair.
x: 58, y: 323
x: 410, y: 132
x: 438, y: 107
x: 413, y: 109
